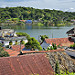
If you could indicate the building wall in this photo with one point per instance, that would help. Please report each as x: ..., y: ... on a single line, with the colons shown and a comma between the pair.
x: 13, y: 42
x: 44, y: 45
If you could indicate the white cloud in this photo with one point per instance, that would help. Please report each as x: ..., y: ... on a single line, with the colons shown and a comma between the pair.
x: 43, y: 4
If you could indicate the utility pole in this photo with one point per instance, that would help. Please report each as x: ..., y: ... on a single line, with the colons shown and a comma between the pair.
x: 52, y: 35
x: 20, y: 49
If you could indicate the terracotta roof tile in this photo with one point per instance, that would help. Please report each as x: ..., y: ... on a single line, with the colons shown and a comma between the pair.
x: 60, y: 41
x: 11, y: 52
x: 17, y: 47
x: 26, y: 65
x: 42, y: 51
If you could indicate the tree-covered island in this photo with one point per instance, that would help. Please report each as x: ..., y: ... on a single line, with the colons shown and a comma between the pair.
x: 39, y: 17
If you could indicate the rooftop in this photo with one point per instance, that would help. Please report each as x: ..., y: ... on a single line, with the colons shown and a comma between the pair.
x: 9, y: 30
x: 71, y: 31
x: 13, y: 38
x: 26, y: 65
x: 60, y: 41
x: 17, y: 47
x: 11, y: 52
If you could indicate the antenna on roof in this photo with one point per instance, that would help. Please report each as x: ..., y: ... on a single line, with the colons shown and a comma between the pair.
x: 52, y: 35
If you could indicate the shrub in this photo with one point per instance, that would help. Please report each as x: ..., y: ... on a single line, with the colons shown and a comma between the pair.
x: 73, y: 46
x: 57, y: 68
x: 16, y: 43
x: 10, y: 42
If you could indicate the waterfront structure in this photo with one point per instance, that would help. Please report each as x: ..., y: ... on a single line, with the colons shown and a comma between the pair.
x: 28, y: 21
x: 71, y: 32
x: 7, y: 35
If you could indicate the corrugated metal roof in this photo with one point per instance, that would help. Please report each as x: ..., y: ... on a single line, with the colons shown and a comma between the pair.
x: 31, y: 64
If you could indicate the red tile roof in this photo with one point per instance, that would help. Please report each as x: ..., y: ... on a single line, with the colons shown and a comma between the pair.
x: 31, y: 64
x: 42, y: 51
x: 17, y: 47
x: 60, y: 41
x: 11, y: 52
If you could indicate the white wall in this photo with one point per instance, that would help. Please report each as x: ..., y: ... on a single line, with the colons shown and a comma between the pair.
x: 13, y: 42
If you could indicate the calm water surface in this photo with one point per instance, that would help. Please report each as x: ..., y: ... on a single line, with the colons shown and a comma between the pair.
x: 56, y: 32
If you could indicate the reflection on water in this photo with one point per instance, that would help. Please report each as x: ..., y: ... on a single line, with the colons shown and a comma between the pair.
x: 55, y: 32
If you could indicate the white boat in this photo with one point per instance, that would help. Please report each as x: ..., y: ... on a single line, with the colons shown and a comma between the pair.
x: 70, y: 52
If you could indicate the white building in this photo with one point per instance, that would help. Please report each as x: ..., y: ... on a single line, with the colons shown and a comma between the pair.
x: 7, y: 35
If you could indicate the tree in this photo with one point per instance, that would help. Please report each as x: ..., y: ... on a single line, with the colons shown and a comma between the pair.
x: 16, y: 43
x: 43, y: 37
x: 2, y: 52
x: 22, y: 42
x: 33, y: 44
x: 23, y: 34
x: 10, y: 42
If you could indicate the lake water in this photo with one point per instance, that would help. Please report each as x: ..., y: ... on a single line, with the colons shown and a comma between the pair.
x: 55, y: 32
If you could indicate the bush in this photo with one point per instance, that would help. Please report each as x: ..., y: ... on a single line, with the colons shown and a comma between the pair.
x: 73, y: 46
x: 16, y: 43
x: 22, y: 42
x: 10, y: 42
x: 33, y: 43
x: 7, y: 46
x: 23, y: 34
x: 2, y: 52
x: 53, y: 47
x: 57, y: 68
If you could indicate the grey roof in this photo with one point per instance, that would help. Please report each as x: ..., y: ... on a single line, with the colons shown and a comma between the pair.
x: 71, y: 31
x: 13, y: 38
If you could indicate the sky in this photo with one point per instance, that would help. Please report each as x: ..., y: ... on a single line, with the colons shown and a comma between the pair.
x: 64, y: 5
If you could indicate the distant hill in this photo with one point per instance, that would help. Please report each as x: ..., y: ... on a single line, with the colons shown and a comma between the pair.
x: 45, y: 16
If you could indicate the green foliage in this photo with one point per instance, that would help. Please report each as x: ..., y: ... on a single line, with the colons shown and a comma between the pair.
x: 22, y: 42
x: 7, y: 46
x: 23, y: 34
x: 73, y: 46
x: 57, y: 68
x: 59, y: 45
x: 10, y: 42
x: 64, y: 73
x: 45, y: 16
x: 33, y: 44
x: 16, y: 43
x: 43, y: 37
x: 40, y: 24
x: 2, y: 52
x: 53, y: 47
x: 50, y: 48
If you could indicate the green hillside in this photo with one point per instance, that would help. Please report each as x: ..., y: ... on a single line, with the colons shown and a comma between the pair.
x: 44, y: 16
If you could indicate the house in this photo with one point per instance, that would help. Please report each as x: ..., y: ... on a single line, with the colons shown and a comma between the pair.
x: 29, y: 64
x: 44, y: 45
x: 6, y: 35
x: 28, y: 21
x: 57, y: 41
x: 23, y: 20
x: 71, y: 34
